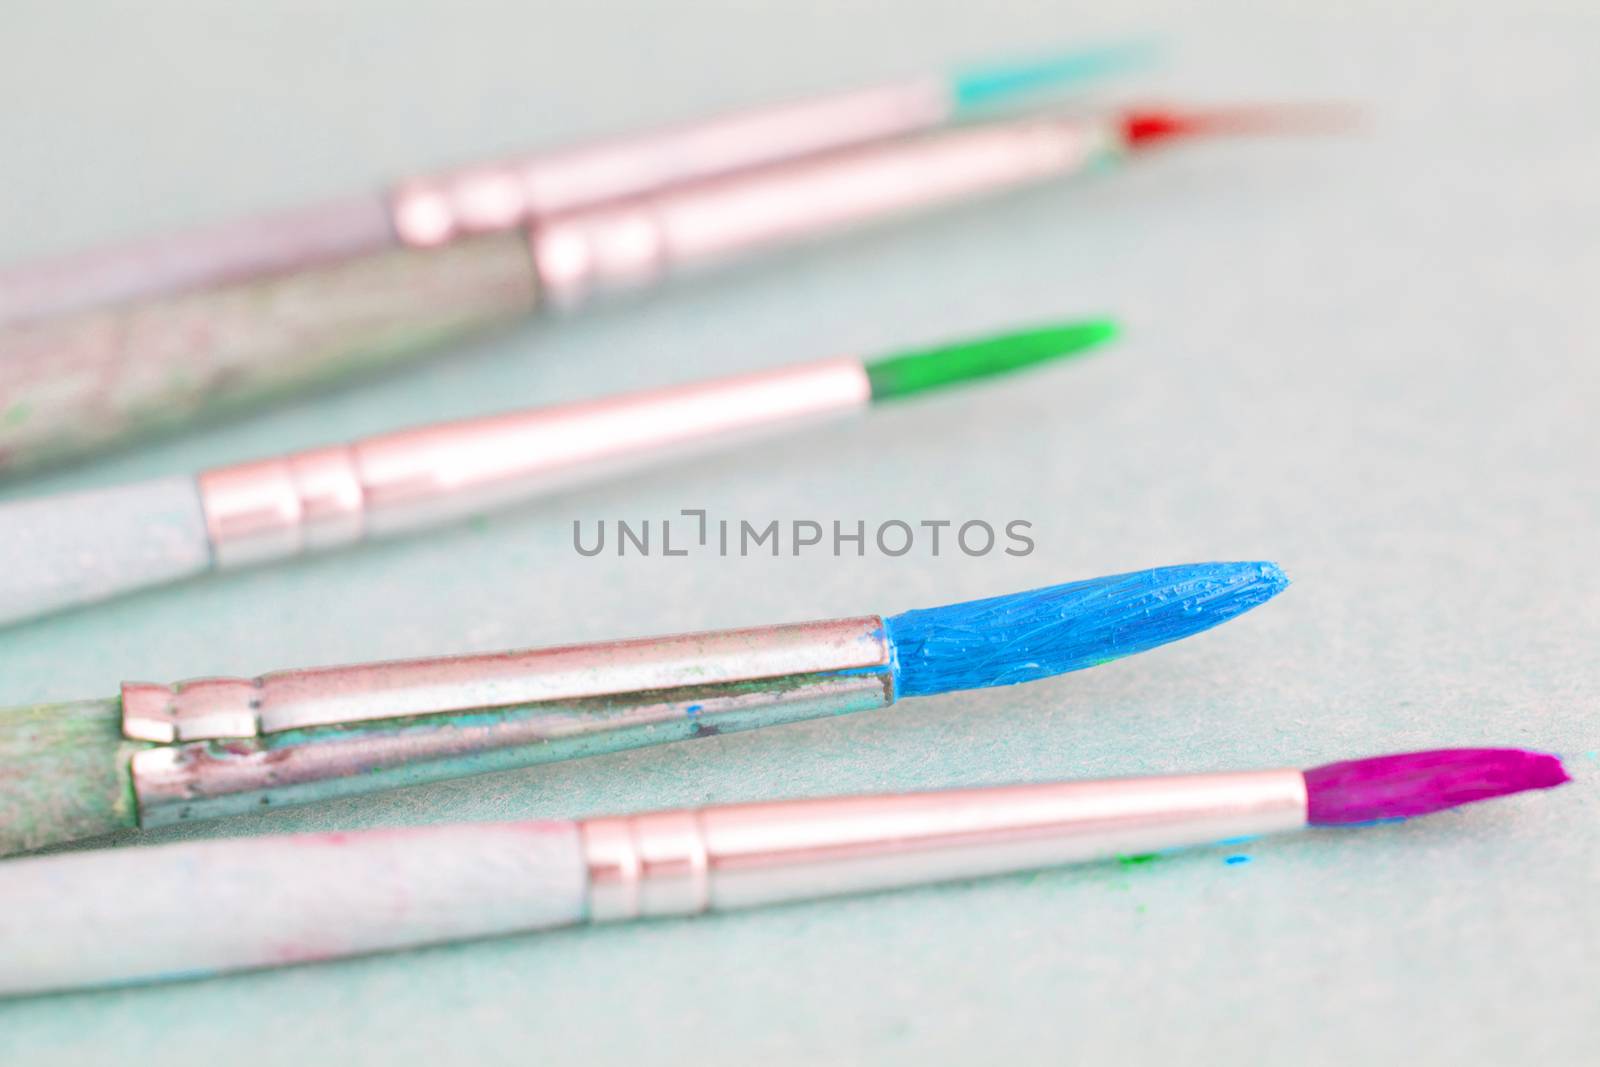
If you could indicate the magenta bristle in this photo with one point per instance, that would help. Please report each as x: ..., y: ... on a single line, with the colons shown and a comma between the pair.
x: 1417, y: 783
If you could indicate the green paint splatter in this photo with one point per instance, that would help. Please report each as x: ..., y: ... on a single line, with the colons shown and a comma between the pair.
x: 1137, y: 861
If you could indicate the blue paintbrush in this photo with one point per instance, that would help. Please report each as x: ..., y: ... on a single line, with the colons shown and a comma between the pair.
x: 221, y: 746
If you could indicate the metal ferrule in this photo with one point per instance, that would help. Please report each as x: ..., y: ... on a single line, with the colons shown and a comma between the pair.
x: 327, y: 497
x: 230, y: 745
x: 685, y: 862
x: 637, y: 242
x: 479, y: 199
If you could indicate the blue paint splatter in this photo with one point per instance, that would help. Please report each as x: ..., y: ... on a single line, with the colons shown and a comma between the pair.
x: 1234, y: 861
x: 693, y: 709
x: 1044, y: 632
x: 849, y: 672
x: 1385, y: 821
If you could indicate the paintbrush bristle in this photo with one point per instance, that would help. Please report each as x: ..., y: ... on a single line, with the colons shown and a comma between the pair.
x: 907, y: 373
x: 1142, y: 127
x: 1418, y: 783
x: 997, y: 83
x: 64, y: 773
x: 1044, y: 632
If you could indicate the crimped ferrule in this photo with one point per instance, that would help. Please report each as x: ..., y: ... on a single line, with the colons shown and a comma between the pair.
x: 636, y: 242
x: 685, y: 862
x: 327, y: 497
x: 234, y: 744
x: 429, y: 211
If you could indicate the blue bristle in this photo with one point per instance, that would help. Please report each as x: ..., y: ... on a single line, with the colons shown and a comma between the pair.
x: 1025, y: 636
x: 980, y: 87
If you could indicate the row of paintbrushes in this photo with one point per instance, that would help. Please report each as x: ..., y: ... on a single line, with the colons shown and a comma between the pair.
x: 162, y: 754
x: 102, y: 346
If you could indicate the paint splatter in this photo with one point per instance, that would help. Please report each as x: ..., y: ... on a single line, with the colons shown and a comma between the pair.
x: 1137, y: 861
x: 1235, y: 860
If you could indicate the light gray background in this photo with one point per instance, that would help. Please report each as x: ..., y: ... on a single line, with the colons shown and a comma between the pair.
x: 1372, y: 359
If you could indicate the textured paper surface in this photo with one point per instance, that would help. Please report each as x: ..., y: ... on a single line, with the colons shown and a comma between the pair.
x: 1371, y: 359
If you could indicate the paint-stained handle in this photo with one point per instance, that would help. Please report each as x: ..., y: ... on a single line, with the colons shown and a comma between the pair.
x: 198, y: 908
x: 64, y: 775
x: 82, y: 381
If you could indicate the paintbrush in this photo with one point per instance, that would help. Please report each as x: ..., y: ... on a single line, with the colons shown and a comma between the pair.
x: 222, y: 746
x: 83, y: 547
x: 79, y: 381
x: 196, y: 909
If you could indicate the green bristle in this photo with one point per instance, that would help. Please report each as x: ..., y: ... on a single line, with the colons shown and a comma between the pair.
x: 913, y: 372
x: 64, y: 773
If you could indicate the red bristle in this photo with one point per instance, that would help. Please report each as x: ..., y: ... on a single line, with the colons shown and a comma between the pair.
x: 1140, y: 127
x: 1144, y: 126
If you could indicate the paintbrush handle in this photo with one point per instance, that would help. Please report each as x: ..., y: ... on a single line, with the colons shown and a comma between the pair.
x: 638, y: 242
x: 196, y: 258
x: 141, y: 914
x: 494, y: 196
x: 744, y: 855
x: 231, y: 745
x: 398, y: 482
x: 64, y: 774
x: 92, y: 918
x: 78, y: 382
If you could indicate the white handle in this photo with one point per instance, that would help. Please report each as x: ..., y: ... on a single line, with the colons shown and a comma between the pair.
x: 171, y: 911
x: 79, y: 548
